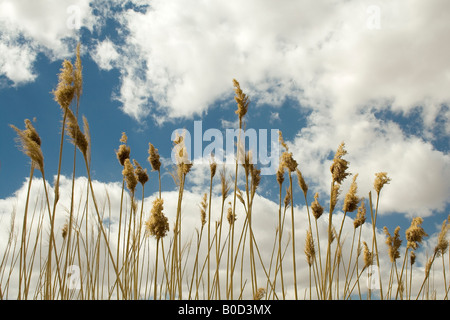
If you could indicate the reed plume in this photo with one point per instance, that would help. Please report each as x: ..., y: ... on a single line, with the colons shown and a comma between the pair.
x: 368, y: 256
x: 415, y: 233
x: 309, y: 248
x: 380, y: 180
x: 231, y: 216
x: 316, y: 208
x: 129, y: 175
x: 280, y: 175
x: 157, y: 225
x: 335, y: 191
x: 30, y: 144
x: 124, y: 151
x: 351, y: 200
x: 360, y: 215
x: 140, y: 173
x: 65, y: 90
x: 203, y: 207
x: 394, y: 242
x: 442, y: 245
x: 153, y: 157
x: 339, y: 166
x: 78, y: 138
x: 301, y: 182
x: 241, y: 100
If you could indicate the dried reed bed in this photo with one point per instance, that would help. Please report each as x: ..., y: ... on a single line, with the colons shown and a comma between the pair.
x: 221, y: 259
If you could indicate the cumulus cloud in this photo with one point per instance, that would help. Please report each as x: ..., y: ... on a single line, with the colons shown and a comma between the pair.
x: 419, y: 172
x: 28, y: 28
x: 264, y: 226
x: 105, y: 54
x: 321, y: 54
x: 344, y: 62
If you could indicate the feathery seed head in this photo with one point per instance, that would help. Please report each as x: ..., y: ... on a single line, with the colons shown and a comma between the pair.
x: 65, y: 89
x: 281, y: 140
x: 213, y: 166
x: 87, y: 135
x: 351, y: 200
x: 203, y: 207
x: 256, y: 178
x: 309, y: 248
x: 231, y: 217
x: 153, y: 157
x: 394, y: 243
x: 280, y: 174
x: 288, y: 162
x: 129, y: 175
x: 287, y: 198
x: 141, y: 174
x: 316, y: 208
x: 334, y: 196
x: 181, y: 155
x: 412, y: 257
x: 368, y: 256
x: 31, y: 132
x: 28, y: 143
x: 339, y: 165
x: 442, y: 244
x: 380, y: 180
x: 415, y: 233
x: 157, y: 225
x: 225, y: 183
x: 360, y: 215
x: 241, y: 100
x: 301, y: 182
x: 124, y: 151
x: 123, y: 138
x: 77, y: 136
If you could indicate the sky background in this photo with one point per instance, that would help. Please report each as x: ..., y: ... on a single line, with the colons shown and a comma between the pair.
x: 374, y: 74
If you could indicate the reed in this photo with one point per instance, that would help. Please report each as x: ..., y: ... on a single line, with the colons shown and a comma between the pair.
x: 215, y: 260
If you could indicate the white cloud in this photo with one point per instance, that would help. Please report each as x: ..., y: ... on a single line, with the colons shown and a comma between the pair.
x: 419, y: 172
x: 16, y: 63
x: 39, y: 26
x: 105, y: 54
x: 319, y: 53
x: 264, y: 223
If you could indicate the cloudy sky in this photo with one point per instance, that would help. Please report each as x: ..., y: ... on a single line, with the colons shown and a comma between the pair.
x: 373, y: 73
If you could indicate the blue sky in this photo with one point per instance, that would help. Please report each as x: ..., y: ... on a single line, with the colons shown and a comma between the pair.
x: 374, y: 74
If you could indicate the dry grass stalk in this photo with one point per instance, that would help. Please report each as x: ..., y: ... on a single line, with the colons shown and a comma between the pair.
x: 70, y: 86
